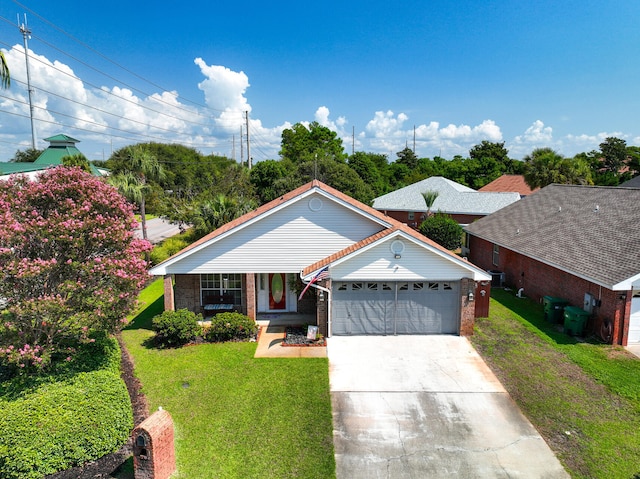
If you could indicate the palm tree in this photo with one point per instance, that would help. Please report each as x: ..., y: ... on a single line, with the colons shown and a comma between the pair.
x: 429, y: 199
x: 5, y: 77
x: 133, y: 182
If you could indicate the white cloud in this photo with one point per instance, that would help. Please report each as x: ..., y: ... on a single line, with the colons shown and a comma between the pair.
x: 386, y: 132
x: 116, y: 115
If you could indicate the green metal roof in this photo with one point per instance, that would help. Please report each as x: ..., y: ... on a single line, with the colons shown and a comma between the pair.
x: 60, y: 146
x: 11, y: 168
x: 53, y: 155
x: 61, y: 137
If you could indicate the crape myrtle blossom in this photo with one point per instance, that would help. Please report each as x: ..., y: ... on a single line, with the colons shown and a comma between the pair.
x: 69, y: 261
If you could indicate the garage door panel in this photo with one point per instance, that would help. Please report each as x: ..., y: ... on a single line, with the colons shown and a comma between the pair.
x: 420, y: 308
x: 361, y: 310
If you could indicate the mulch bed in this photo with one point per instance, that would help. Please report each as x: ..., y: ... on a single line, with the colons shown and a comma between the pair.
x: 295, y: 336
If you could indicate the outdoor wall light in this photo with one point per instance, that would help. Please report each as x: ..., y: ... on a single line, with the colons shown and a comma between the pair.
x: 470, y: 296
x: 397, y: 256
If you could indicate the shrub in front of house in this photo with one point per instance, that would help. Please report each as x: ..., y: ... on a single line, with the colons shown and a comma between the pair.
x: 176, y: 328
x: 230, y: 327
x: 78, y: 412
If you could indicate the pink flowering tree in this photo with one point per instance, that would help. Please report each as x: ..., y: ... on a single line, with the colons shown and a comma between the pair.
x: 69, y: 263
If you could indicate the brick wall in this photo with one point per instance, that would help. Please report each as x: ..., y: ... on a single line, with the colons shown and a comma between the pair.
x: 419, y: 217
x: 187, y: 292
x: 467, y: 308
x: 539, y: 279
x: 153, y: 447
x: 322, y: 308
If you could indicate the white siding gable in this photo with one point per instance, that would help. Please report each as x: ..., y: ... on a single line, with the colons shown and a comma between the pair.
x: 417, y: 262
x: 287, y: 240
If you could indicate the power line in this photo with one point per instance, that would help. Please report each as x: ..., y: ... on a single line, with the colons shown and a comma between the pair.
x: 113, y: 62
x: 218, y: 121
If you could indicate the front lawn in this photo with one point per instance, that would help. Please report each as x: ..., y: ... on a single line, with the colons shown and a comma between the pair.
x: 583, y: 397
x: 236, y: 416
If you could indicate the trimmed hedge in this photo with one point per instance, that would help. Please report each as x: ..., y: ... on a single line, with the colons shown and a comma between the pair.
x: 53, y: 423
x: 229, y: 327
x: 176, y: 328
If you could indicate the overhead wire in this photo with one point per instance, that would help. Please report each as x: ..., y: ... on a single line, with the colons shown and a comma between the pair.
x: 113, y: 62
x: 102, y: 90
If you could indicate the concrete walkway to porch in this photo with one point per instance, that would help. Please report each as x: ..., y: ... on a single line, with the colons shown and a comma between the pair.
x: 272, y: 335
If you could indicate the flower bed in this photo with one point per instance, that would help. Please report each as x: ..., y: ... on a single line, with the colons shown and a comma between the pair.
x: 297, y: 336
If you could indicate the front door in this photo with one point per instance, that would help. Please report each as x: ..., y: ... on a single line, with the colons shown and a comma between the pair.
x: 277, y: 291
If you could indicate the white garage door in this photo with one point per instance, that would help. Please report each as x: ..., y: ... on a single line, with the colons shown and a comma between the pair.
x: 420, y: 307
x: 634, y: 319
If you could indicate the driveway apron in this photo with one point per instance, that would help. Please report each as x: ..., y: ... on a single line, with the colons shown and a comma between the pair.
x: 427, y: 406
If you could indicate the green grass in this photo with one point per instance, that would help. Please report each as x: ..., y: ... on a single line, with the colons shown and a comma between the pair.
x: 236, y: 416
x: 583, y: 397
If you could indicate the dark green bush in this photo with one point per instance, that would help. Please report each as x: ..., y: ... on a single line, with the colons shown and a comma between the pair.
x: 65, y: 418
x: 229, y: 327
x: 176, y: 328
x: 443, y: 229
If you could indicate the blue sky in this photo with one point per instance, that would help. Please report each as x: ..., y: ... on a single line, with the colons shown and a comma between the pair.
x: 562, y: 74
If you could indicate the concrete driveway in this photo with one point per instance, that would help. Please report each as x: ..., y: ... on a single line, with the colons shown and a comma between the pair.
x: 427, y: 406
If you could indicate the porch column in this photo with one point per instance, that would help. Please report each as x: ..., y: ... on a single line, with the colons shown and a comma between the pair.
x: 250, y: 294
x: 169, y: 300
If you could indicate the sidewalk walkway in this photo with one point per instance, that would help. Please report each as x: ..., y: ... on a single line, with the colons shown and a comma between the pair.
x: 270, y: 345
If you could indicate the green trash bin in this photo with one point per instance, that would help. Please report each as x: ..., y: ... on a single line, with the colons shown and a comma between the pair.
x: 575, y: 320
x: 553, y: 308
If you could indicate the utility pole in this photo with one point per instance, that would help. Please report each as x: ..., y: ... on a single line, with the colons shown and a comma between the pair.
x: 241, y: 147
x: 26, y: 33
x: 248, y: 143
x: 233, y: 147
x: 414, y: 139
x: 353, y: 140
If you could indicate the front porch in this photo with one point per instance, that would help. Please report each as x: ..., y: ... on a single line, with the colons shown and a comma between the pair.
x: 272, y: 331
x: 270, y: 299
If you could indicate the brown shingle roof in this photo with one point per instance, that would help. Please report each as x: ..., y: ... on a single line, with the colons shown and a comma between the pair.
x: 509, y: 183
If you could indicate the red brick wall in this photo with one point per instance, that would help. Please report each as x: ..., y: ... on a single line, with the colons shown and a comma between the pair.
x: 539, y: 279
x: 420, y: 216
x: 467, y: 308
x: 157, y: 458
x: 187, y: 292
x: 249, y: 296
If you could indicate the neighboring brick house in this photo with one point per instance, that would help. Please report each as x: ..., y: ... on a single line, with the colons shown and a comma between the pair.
x: 509, y: 183
x: 464, y: 204
x: 376, y: 275
x: 575, y: 242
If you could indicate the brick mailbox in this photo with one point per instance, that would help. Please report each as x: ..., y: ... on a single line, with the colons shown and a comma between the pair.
x: 153, y: 450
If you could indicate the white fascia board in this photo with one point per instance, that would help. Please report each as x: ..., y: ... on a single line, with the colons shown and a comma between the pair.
x: 477, y: 273
x: 161, y: 269
x: 628, y: 284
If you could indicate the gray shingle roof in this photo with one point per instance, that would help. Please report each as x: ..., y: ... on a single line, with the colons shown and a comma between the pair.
x: 453, y: 198
x: 589, y: 231
x: 632, y: 183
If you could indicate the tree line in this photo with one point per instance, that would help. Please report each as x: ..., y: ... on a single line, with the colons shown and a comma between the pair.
x: 206, y: 191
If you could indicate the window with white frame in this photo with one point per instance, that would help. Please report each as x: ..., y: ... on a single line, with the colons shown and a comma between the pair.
x: 215, y: 286
x: 496, y: 255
